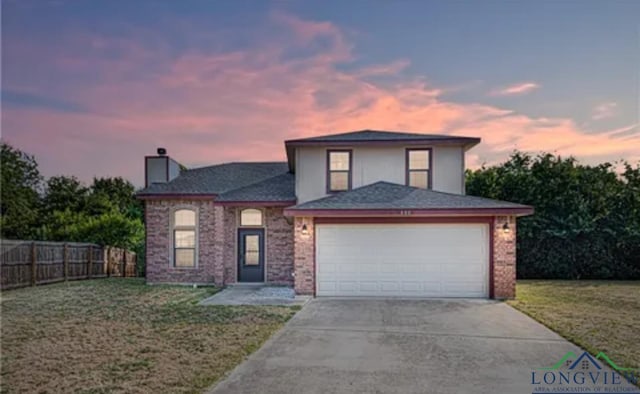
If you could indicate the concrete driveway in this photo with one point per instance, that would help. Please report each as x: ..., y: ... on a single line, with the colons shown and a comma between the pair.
x: 400, y: 346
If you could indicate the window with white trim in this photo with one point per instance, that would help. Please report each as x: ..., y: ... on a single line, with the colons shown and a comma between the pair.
x: 184, y: 238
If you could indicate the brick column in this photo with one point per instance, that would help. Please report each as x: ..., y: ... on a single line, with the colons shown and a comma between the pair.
x: 304, y: 256
x: 229, y: 260
x: 504, y: 258
x: 218, y: 245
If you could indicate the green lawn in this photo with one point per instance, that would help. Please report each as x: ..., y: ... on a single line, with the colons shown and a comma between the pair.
x: 119, y: 335
x: 596, y: 315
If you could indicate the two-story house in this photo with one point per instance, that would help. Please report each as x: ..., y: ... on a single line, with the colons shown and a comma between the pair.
x: 365, y: 213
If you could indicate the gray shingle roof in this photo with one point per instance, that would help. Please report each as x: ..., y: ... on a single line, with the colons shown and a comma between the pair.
x: 278, y: 188
x: 218, y: 179
x: 385, y: 195
x: 378, y: 135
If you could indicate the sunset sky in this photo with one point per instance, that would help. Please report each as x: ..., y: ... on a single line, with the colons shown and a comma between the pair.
x: 91, y: 87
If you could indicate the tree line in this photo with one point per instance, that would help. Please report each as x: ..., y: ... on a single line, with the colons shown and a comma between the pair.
x: 587, y: 218
x: 62, y: 208
x: 586, y: 223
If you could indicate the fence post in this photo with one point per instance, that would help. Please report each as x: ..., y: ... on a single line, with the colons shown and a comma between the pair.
x: 134, y: 258
x: 65, y: 260
x: 90, y: 261
x: 107, y: 260
x: 124, y: 264
x: 123, y: 261
x: 34, y: 272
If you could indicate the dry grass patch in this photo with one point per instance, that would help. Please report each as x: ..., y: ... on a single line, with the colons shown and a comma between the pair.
x: 119, y: 335
x: 595, y: 315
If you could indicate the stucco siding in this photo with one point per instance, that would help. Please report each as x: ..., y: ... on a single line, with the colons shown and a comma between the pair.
x: 310, y: 174
x: 174, y: 169
x: 156, y: 170
x: 373, y: 164
x: 448, y: 169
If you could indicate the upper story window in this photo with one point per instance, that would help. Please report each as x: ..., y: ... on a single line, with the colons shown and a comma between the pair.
x: 251, y: 217
x: 419, y: 168
x: 184, y: 238
x: 338, y: 170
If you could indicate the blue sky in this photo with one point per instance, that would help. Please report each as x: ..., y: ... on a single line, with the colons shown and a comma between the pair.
x: 222, y: 81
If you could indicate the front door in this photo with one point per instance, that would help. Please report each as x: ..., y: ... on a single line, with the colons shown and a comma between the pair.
x: 251, y: 255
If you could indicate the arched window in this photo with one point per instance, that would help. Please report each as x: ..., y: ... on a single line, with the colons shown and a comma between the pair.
x: 251, y: 217
x: 184, y: 238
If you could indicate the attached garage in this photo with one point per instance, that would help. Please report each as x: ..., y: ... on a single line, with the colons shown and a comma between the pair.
x: 403, y: 260
x: 390, y: 240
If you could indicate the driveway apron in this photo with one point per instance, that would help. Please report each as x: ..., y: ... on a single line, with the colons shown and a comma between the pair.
x: 400, y: 346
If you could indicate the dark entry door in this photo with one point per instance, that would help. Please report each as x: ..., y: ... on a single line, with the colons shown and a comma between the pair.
x: 251, y: 255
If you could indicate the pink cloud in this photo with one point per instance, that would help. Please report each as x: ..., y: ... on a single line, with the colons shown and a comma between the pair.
x: 209, y: 107
x: 516, y: 89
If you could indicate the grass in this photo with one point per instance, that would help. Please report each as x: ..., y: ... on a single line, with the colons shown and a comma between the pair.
x: 119, y: 335
x: 599, y: 316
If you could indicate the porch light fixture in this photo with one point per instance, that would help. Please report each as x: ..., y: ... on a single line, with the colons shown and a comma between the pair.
x: 505, y: 228
x: 304, y: 230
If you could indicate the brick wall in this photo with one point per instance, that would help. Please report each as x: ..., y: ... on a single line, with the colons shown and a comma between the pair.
x: 504, y: 258
x: 279, y: 245
x: 304, y: 256
x: 217, y: 253
x: 158, y: 256
x: 287, y: 249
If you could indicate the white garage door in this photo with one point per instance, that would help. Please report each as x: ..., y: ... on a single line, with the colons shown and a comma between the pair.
x: 402, y: 260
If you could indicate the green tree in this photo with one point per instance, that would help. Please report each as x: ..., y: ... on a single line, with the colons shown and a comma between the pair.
x: 63, y: 225
x: 111, y: 228
x: 586, y: 219
x: 20, y: 188
x: 120, y: 192
x: 106, y: 213
x: 65, y: 192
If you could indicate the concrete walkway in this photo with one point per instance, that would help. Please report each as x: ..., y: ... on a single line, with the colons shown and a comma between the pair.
x: 255, y: 295
x: 400, y: 346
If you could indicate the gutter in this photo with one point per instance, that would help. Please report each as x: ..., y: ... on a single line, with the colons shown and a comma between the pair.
x: 523, y: 211
x: 174, y: 196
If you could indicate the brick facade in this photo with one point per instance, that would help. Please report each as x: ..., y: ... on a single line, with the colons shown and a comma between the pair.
x: 279, y: 245
x: 217, y: 233
x: 304, y: 256
x: 504, y: 258
x: 288, y: 251
x: 158, y: 221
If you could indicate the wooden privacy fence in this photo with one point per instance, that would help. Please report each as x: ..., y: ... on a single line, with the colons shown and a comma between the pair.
x: 31, y: 263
